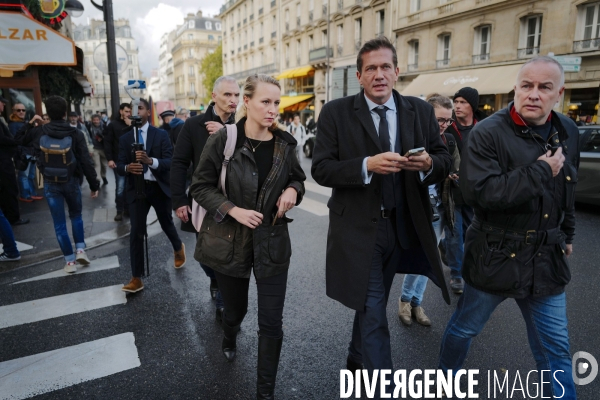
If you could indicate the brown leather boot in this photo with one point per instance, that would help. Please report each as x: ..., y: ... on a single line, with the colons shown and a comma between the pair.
x: 180, y: 257
x: 420, y: 316
x: 404, y: 312
x: 134, y: 285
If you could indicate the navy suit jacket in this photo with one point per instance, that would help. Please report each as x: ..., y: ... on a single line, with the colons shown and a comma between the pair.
x: 158, y: 146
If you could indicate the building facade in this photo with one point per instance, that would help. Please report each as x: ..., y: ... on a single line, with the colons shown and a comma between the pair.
x: 289, y: 39
x: 195, y: 38
x: 165, y: 68
x: 92, y: 36
x: 444, y: 45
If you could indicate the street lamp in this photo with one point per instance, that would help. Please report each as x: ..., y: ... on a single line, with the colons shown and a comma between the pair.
x: 74, y: 8
x: 111, y: 52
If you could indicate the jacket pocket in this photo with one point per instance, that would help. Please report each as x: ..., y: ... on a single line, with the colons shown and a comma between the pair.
x: 498, y: 269
x: 336, y: 206
x: 570, y: 184
x: 216, y: 239
x: 280, y: 246
x: 561, y: 273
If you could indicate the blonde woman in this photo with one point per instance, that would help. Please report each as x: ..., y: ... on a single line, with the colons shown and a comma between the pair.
x: 247, y: 231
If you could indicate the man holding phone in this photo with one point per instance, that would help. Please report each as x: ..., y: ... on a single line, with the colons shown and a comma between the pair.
x: 380, y: 215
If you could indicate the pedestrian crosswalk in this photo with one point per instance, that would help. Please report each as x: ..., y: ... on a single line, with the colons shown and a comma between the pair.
x: 45, y: 372
x: 315, y: 204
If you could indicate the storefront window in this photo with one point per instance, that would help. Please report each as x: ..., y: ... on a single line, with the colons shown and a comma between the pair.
x: 583, y: 103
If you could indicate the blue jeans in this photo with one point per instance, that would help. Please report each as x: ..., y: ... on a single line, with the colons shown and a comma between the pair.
x: 414, y: 286
x: 27, y: 181
x: 119, y: 191
x: 454, y: 240
x: 8, y: 238
x: 56, y: 196
x: 546, y: 320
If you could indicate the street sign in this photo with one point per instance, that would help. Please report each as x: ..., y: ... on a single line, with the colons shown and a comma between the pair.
x: 568, y: 60
x: 571, y: 68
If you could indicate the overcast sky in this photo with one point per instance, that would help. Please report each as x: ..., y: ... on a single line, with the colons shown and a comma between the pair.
x: 149, y: 20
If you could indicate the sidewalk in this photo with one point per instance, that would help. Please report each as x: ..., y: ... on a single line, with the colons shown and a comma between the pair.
x: 37, y: 240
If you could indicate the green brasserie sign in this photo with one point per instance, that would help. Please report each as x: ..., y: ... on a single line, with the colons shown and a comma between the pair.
x: 54, y: 10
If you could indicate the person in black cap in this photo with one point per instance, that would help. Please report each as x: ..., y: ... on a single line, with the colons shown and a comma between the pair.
x: 9, y: 190
x: 466, y: 116
x: 166, y: 117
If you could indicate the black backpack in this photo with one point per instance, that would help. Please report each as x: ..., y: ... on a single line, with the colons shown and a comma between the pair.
x: 57, y: 158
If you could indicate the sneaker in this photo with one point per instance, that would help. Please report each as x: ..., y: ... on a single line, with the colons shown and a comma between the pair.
x: 82, y: 258
x: 134, y: 285
x: 36, y: 197
x: 404, y: 312
x: 27, y: 200
x: 180, y: 257
x: 70, y: 267
x: 419, y: 314
x: 119, y: 217
x: 5, y: 257
x: 457, y: 285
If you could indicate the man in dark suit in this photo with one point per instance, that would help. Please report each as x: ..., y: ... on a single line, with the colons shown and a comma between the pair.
x: 154, y: 163
x: 190, y: 143
x: 380, y: 215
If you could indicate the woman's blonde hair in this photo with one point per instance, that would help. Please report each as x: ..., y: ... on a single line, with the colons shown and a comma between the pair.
x: 249, y: 90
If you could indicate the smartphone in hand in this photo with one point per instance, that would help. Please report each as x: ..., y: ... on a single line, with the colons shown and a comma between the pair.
x: 415, y: 152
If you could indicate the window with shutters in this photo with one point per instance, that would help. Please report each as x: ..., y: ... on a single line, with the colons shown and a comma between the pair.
x: 443, y: 53
x: 481, y: 45
x: 588, y: 27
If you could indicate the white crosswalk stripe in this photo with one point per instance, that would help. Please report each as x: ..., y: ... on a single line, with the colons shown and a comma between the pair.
x: 58, y: 306
x: 315, y: 206
x: 45, y: 372
x: 96, y: 265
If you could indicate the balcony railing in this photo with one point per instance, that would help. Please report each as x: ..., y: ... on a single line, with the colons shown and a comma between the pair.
x: 528, y: 52
x: 265, y: 69
x: 340, y: 49
x: 446, y: 8
x: 191, y: 93
x: 442, y: 63
x: 357, y: 44
x: 273, y: 35
x: 586, y: 45
x: 412, y: 67
x: 481, y: 58
x: 319, y: 54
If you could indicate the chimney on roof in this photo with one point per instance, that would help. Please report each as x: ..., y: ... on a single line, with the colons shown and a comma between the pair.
x: 199, y: 14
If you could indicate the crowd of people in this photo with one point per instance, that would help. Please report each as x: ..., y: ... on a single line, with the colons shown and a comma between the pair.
x: 414, y: 183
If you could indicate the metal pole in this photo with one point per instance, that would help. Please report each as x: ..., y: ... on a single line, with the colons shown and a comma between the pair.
x: 327, y: 61
x: 111, y: 53
x: 104, y: 95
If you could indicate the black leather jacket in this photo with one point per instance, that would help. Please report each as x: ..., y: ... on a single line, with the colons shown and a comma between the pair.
x: 227, y: 246
x: 512, y: 192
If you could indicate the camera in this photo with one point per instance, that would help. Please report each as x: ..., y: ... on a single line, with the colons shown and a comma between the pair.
x: 433, y: 200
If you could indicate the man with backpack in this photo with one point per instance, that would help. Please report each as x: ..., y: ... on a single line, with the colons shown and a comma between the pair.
x: 63, y: 157
x: 297, y: 130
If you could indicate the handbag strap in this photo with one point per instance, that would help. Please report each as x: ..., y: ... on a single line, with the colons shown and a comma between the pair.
x: 228, y: 152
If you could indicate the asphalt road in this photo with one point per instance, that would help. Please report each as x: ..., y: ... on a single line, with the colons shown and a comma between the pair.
x: 178, y: 342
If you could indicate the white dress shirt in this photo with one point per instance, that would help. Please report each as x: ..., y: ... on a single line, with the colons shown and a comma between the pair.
x: 144, y: 134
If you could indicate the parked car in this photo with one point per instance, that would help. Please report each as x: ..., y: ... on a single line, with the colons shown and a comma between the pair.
x: 588, y: 182
x: 309, y: 144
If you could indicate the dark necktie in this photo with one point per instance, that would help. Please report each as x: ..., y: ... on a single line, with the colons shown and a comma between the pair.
x: 389, y: 200
x: 145, y: 166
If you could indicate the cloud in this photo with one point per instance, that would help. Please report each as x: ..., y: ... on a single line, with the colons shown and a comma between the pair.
x: 150, y: 19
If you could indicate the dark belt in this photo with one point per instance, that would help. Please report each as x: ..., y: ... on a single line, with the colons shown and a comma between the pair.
x: 549, y: 236
x: 148, y: 182
x: 387, y: 214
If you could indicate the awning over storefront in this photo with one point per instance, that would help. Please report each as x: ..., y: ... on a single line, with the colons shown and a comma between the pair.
x: 491, y: 80
x: 296, y: 72
x: 582, y: 85
x: 24, y: 41
x: 288, y: 101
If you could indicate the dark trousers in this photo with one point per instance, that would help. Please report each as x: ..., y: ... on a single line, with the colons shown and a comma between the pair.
x: 210, y: 273
x: 370, y: 342
x: 271, y: 297
x: 9, y: 190
x: 138, y: 211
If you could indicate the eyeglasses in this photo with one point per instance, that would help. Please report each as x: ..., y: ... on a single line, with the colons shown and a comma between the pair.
x: 443, y: 121
x: 18, y: 109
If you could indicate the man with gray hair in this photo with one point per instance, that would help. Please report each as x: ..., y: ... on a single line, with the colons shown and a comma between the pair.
x: 189, y: 145
x: 518, y: 172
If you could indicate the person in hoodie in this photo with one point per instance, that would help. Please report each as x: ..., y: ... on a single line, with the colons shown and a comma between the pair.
x: 70, y: 192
